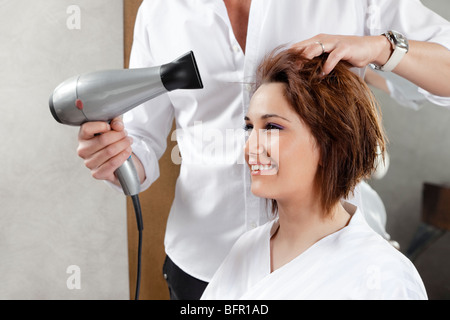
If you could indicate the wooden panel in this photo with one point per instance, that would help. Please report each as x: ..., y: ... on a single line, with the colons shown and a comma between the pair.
x: 436, y: 206
x: 155, y: 202
x: 130, y: 8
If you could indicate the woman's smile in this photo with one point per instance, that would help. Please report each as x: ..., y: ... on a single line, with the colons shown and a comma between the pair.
x: 263, y: 169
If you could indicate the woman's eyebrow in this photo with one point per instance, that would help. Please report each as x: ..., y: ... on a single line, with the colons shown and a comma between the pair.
x: 266, y: 116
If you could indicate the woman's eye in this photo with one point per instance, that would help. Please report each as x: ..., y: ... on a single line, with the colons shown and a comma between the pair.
x: 248, y: 127
x: 272, y: 126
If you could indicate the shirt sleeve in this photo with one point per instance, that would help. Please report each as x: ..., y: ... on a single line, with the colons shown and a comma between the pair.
x: 150, y: 123
x: 416, y: 22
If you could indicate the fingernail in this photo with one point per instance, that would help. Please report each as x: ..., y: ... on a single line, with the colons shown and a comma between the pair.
x: 117, y: 123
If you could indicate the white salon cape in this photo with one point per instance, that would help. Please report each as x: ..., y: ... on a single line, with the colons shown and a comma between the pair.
x: 354, y: 263
x: 213, y: 204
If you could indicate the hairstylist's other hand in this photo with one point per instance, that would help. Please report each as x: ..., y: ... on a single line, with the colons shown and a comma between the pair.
x: 104, y: 148
x: 359, y: 51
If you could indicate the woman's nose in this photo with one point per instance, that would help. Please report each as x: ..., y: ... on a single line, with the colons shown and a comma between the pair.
x: 254, y: 147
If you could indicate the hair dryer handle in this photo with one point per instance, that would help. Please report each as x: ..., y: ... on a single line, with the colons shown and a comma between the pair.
x: 128, y: 178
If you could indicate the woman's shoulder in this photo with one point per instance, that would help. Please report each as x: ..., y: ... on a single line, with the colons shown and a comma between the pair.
x: 383, y: 269
x: 359, y: 240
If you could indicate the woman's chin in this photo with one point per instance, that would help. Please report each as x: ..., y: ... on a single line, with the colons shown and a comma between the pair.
x: 262, y: 190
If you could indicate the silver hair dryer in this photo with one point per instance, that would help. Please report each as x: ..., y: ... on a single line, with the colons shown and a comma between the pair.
x: 104, y: 95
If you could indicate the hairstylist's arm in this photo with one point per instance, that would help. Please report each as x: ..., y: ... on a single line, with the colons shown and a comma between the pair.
x: 104, y: 148
x: 426, y: 64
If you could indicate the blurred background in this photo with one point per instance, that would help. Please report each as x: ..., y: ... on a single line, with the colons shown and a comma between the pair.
x: 415, y: 189
x: 64, y: 235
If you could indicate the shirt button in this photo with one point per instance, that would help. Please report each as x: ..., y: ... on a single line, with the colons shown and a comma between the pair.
x: 236, y: 48
x: 248, y: 87
x: 253, y: 225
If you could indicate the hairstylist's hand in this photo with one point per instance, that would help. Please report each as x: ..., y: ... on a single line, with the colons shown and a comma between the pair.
x: 104, y: 148
x: 359, y: 51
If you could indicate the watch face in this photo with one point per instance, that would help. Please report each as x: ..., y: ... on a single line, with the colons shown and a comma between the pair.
x: 400, y: 40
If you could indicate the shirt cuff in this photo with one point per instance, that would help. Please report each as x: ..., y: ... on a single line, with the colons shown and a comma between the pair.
x: 149, y: 161
x: 437, y: 100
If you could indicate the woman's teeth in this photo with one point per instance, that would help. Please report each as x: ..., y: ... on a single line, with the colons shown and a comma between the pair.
x: 261, y: 167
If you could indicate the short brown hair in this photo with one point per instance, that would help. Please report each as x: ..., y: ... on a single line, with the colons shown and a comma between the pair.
x: 340, y: 111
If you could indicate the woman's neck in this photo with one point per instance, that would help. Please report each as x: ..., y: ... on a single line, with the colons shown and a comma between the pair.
x: 300, y: 226
x: 304, y: 215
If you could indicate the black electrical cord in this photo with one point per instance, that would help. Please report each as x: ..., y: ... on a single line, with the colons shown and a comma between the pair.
x: 140, y: 226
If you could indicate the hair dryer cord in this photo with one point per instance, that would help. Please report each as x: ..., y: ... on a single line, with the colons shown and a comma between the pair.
x: 138, y: 212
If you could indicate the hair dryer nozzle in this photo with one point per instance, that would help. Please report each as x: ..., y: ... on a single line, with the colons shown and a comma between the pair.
x: 181, y: 73
x: 52, y: 108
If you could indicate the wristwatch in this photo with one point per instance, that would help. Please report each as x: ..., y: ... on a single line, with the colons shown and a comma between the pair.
x: 401, y: 47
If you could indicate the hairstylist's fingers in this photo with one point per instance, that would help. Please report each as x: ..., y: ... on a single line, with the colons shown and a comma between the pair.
x: 110, y: 151
x: 87, y: 148
x: 106, y: 170
x: 117, y: 124
x: 315, y: 49
x: 306, y: 48
x: 333, y: 59
x: 89, y: 130
x: 315, y: 46
x: 312, y: 51
x: 359, y: 51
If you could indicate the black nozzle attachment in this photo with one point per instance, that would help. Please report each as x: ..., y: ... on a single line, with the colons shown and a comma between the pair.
x: 181, y: 73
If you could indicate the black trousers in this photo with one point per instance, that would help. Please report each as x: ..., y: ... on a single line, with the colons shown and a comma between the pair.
x: 181, y: 285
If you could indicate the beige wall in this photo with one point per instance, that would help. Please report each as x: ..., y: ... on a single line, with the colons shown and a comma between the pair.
x: 53, y: 215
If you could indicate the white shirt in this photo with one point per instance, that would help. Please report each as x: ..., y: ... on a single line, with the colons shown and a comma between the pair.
x: 352, y: 263
x: 213, y: 204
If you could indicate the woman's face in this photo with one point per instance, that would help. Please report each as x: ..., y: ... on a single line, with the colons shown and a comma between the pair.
x: 280, y: 150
